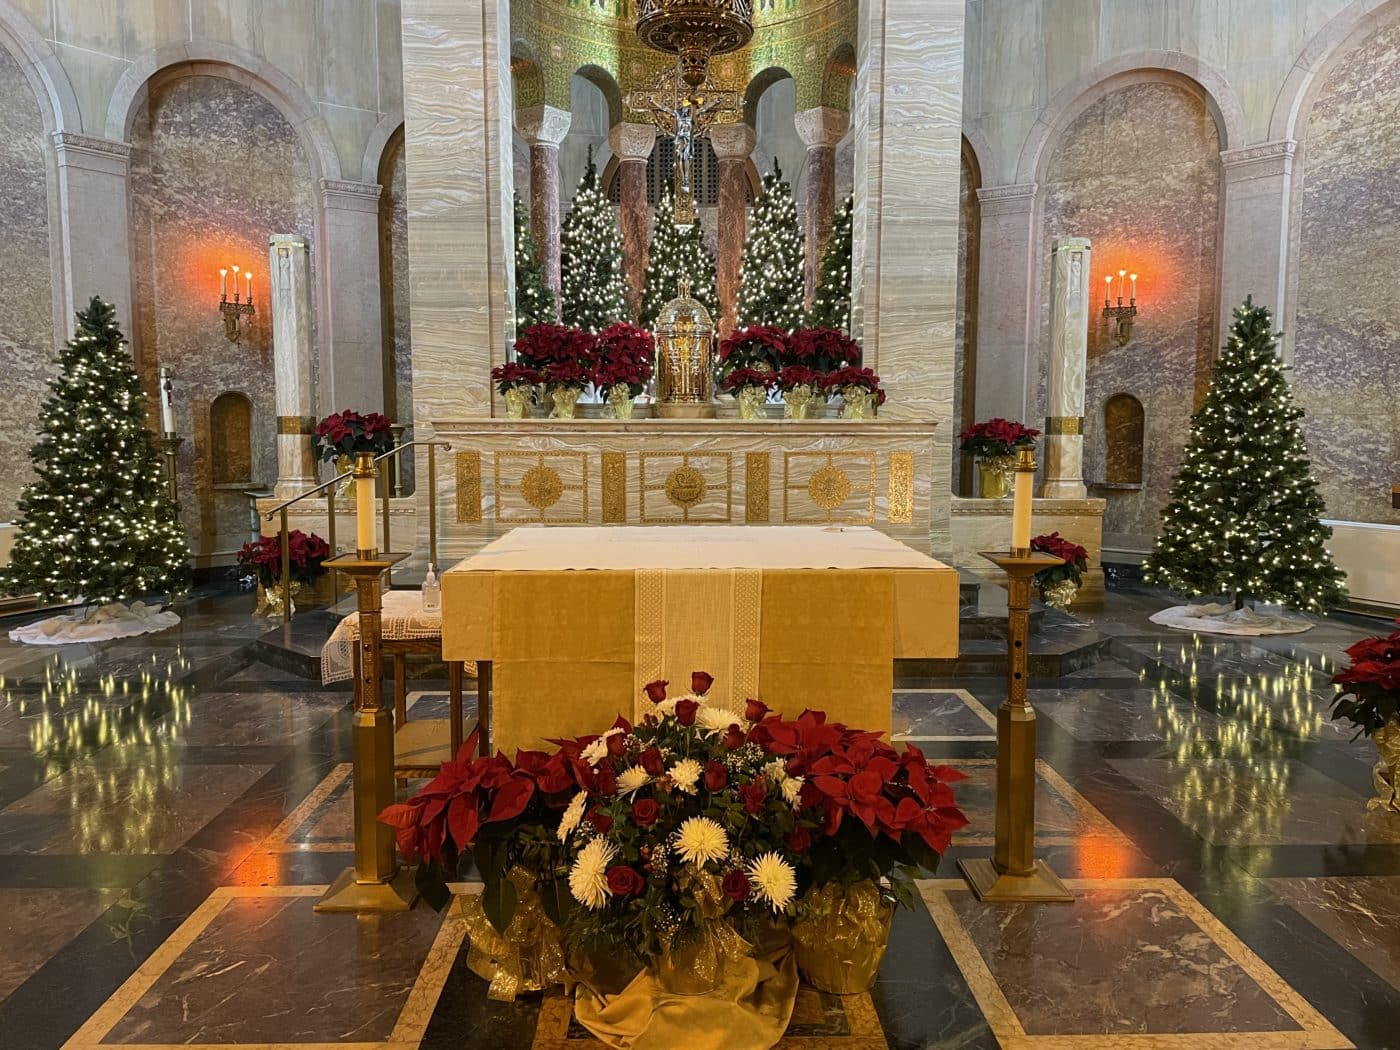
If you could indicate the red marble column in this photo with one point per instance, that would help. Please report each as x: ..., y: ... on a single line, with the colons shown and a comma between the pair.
x: 732, y: 144
x: 631, y: 145
x: 820, y: 129
x: 544, y: 128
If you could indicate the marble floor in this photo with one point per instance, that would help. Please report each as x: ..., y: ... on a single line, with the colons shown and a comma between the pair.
x: 170, y: 809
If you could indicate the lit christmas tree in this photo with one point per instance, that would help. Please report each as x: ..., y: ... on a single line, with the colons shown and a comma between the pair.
x: 593, y: 289
x: 831, y: 303
x: 534, y: 302
x: 677, y: 253
x: 1243, y: 520
x: 97, y: 523
x: 771, y: 282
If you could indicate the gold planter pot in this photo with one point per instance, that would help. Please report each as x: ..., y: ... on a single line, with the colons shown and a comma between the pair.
x: 620, y: 401
x: 517, y: 402
x: 797, y: 402
x: 1060, y: 594
x: 995, y: 476
x: 565, y: 401
x: 751, y: 400
x: 857, y: 403
x: 270, y: 599
x: 842, y: 936
x: 1386, y: 772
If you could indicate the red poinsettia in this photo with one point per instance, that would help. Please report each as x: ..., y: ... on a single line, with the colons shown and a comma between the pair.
x: 1074, y: 557
x: 1368, y: 692
x: 514, y: 374
x: 799, y: 375
x: 742, y: 377
x: 348, y: 432
x: 305, y: 557
x: 825, y: 349
x: 763, y: 347
x: 545, y: 344
x: 996, y: 437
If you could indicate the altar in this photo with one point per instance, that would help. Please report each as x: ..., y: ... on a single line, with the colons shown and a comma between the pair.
x: 573, y: 619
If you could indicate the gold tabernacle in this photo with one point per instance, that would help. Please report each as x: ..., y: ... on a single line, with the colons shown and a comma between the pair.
x: 685, y: 351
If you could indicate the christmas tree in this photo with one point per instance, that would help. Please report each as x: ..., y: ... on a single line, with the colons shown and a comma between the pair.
x: 677, y: 253
x: 593, y: 290
x: 831, y: 303
x: 534, y: 302
x: 1243, y: 519
x: 97, y: 523
x: 771, y: 281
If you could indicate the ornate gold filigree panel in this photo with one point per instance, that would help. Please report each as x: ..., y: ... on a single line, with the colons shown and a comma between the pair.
x: 901, y: 494
x: 756, y: 488
x: 541, y: 488
x: 614, y: 488
x: 834, y: 487
x: 683, y: 487
x: 469, y: 487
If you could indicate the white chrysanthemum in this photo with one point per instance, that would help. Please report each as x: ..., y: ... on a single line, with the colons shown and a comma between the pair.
x: 685, y: 774
x: 631, y: 779
x: 776, y: 770
x: 573, y: 816
x: 715, y: 719
x: 701, y: 840
x: 598, y: 750
x: 666, y: 708
x: 792, y: 789
x: 588, y: 879
x: 773, y: 880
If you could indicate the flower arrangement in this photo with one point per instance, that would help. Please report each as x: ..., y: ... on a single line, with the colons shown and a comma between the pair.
x: 347, y: 433
x: 996, y: 438
x: 570, y: 373
x: 799, y: 385
x: 305, y: 556
x: 750, y: 388
x: 763, y: 348
x: 625, y: 357
x: 825, y: 349
x: 1058, y: 584
x: 545, y: 344
x: 1368, y: 692
x: 513, y: 375
x: 859, y: 388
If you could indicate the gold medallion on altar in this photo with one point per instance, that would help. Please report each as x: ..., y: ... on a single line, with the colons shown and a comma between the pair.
x: 685, y: 353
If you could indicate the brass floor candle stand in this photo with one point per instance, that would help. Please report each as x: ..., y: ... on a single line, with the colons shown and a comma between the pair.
x: 375, y: 883
x: 170, y: 445
x: 1013, y: 874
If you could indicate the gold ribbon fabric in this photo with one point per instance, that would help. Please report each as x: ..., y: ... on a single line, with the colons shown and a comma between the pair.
x: 842, y: 937
x: 528, y: 957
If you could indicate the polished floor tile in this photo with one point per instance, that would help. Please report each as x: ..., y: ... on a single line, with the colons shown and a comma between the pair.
x: 36, y: 923
x: 1062, y: 815
x: 1127, y: 714
x: 1360, y: 913
x: 938, y: 715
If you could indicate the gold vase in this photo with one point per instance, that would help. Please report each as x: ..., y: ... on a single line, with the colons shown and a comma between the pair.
x: 1060, y: 594
x: 620, y: 401
x: 751, y: 400
x: 692, y: 963
x: 996, y: 474
x: 517, y: 402
x: 797, y: 402
x: 859, y: 403
x: 528, y: 957
x: 842, y: 936
x: 565, y: 401
x: 270, y: 599
x: 1386, y: 772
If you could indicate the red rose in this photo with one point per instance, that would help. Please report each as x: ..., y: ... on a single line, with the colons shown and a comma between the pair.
x: 656, y: 691
x: 685, y: 712
x: 753, y: 795
x: 602, y: 823
x: 644, y: 812
x: 734, y: 738
x: 735, y: 885
x: 755, y: 710
x: 716, y: 776
x: 624, y: 881
x: 799, y: 840
x: 616, y: 744
x: 700, y: 682
x: 606, y: 780
x: 652, y: 762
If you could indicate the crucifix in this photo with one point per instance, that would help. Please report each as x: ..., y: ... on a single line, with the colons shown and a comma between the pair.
x: 685, y: 114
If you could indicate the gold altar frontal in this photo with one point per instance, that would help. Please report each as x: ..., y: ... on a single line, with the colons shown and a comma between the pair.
x: 577, y: 620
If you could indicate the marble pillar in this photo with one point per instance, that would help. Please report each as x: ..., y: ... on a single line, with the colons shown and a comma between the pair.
x: 1004, y: 302
x: 1063, y: 476
x: 289, y: 270
x: 821, y: 130
x: 1258, y: 181
x: 544, y: 128
x: 92, y: 200
x: 733, y: 144
x: 908, y: 160
x: 352, y: 351
x: 631, y: 145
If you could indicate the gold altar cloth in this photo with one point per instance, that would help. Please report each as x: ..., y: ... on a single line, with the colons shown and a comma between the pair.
x: 577, y: 620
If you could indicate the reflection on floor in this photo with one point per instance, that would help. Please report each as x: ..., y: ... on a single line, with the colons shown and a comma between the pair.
x: 170, y: 810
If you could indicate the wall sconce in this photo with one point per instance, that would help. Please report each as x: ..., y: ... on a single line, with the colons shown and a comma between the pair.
x: 1121, y: 316
x: 239, y: 308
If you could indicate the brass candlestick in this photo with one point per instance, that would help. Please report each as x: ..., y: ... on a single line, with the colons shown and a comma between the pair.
x: 1013, y: 873
x: 170, y: 445
x: 375, y: 883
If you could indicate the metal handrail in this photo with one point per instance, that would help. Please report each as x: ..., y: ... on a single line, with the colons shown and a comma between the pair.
x: 328, y: 488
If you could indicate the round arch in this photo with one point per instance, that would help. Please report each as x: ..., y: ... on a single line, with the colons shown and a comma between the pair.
x: 58, y: 105
x: 526, y: 75
x: 760, y: 83
x: 604, y: 82
x: 839, y: 77
x: 1138, y: 67
x: 386, y: 135
x: 207, y: 58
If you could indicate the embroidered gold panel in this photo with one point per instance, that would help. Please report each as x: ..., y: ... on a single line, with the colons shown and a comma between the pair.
x: 548, y: 488
x: 686, y: 488
x: 757, y: 482
x: 469, y: 487
x: 901, y: 483
x: 829, y: 487
x: 614, y: 488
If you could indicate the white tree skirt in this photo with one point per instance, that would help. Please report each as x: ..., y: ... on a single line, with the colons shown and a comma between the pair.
x: 100, y: 623
x: 1226, y: 619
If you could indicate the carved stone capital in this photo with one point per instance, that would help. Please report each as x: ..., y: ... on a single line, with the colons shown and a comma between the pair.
x: 351, y: 196
x: 732, y: 141
x: 632, y: 141
x: 822, y: 126
x: 1262, y: 161
x: 91, y: 153
x: 1018, y: 197
x: 542, y: 125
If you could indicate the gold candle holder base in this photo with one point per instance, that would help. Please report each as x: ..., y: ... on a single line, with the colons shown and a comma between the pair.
x: 1042, y: 886
x: 349, y: 894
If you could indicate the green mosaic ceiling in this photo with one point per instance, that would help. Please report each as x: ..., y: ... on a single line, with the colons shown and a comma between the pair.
x: 559, y: 37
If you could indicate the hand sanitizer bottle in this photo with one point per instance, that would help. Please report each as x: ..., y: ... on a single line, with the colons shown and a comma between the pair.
x: 432, y: 591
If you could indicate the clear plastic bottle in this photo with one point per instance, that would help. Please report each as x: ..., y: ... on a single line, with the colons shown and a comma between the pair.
x: 432, y: 591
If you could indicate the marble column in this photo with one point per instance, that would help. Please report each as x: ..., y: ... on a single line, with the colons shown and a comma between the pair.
x: 352, y: 343
x: 289, y: 269
x: 821, y: 130
x: 92, y: 185
x: 1258, y: 182
x: 1004, y: 304
x: 1063, y: 464
x: 908, y: 142
x: 631, y: 145
x: 733, y: 144
x: 544, y: 128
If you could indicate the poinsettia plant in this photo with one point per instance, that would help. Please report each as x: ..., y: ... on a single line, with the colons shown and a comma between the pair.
x: 306, y: 555
x: 825, y: 349
x: 625, y: 355
x: 570, y: 373
x: 348, y: 432
x: 1368, y: 692
x: 742, y: 377
x: 863, y: 378
x: 794, y: 376
x: 513, y: 374
x: 545, y: 344
x: 760, y: 347
x: 996, y: 438
x: 1074, y: 560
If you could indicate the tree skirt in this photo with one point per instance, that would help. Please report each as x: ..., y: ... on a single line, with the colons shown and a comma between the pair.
x: 99, y: 623
x: 1226, y: 619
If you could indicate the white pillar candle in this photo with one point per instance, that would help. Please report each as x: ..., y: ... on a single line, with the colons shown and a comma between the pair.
x: 1021, y: 506
x: 223, y: 283
x: 235, y: 284
x: 364, y: 513
x: 1134, y: 280
x: 249, y: 278
x: 167, y: 401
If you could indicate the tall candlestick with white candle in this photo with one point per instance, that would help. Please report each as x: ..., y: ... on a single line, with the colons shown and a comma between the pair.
x: 167, y: 401
x: 1108, y: 290
x: 1122, y: 284
x: 1021, y: 506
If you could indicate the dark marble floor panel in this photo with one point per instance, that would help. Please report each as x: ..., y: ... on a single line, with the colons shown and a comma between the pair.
x: 1360, y: 913
x: 937, y: 715
x: 1127, y: 714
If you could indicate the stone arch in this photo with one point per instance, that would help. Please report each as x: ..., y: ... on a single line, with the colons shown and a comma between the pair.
x: 607, y: 84
x: 839, y: 77
x: 526, y: 75
x: 46, y: 75
x: 760, y: 83
x: 1137, y: 67
x: 970, y: 180
x: 208, y: 58
x: 978, y: 147
x: 383, y: 140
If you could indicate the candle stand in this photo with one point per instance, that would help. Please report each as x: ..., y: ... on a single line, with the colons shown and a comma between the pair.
x: 170, y: 445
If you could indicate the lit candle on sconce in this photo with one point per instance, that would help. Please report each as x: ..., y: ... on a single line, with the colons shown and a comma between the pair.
x: 248, y: 277
x: 1121, y: 315
x: 223, y: 284
x: 235, y: 284
x: 1132, y: 300
x: 1122, y: 283
x: 238, y: 310
x: 1108, y: 291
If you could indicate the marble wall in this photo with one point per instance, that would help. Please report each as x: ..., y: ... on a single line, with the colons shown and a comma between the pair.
x: 1138, y: 173
x: 26, y: 305
x: 1347, y: 368
x: 393, y: 276
x: 215, y: 170
x: 965, y: 375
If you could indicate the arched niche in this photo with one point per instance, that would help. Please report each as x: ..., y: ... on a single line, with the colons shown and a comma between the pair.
x: 231, y: 439
x: 1124, y: 432
x: 839, y: 77
x: 591, y: 118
